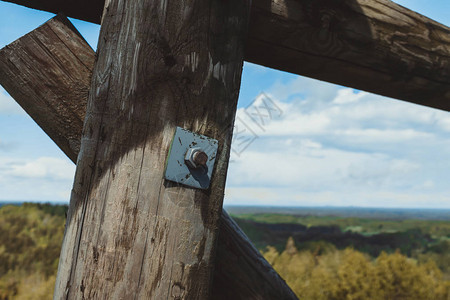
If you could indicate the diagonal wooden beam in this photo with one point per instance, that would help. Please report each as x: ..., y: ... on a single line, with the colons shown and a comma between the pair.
x: 47, y: 72
x: 376, y: 46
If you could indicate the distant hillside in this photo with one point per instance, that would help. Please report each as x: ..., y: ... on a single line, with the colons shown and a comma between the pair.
x: 419, y: 239
x: 325, y: 245
x: 347, y: 212
x: 19, y: 203
x: 3, y: 203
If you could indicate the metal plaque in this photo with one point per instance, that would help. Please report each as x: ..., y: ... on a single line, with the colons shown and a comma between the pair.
x: 179, y: 166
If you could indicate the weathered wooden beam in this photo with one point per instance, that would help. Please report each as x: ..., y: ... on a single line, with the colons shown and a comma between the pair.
x: 130, y: 233
x: 376, y: 46
x: 48, y: 73
x: 86, y: 10
x: 241, y: 272
x: 240, y: 269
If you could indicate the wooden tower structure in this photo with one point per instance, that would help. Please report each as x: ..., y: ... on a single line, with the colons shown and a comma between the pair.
x: 132, y: 234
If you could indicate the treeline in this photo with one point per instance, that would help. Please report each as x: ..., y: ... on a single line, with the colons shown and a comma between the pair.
x: 429, y: 240
x: 327, y: 262
x: 362, y: 225
x: 349, y: 274
x: 30, y: 242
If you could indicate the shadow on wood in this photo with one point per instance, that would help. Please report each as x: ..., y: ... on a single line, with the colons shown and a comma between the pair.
x: 130, y: 234
x: 240, y: 269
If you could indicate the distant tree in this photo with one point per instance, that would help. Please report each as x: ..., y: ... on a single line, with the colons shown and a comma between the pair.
x: 30, y: 242
x: 351, y: 275
x: 402, y: 278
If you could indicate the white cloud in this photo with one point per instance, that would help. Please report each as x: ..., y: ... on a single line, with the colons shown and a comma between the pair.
x: 444, y: 123
x: 365, y: 118
x: 307, y: 165
x: 41, y: 179
x: 334, y: 146
x: 8, y: 105
x: 7, y: 146
x: 296, y: 197
x: 372, y: 135
x: 345, y: 96
x: 302, y: 89
x: 43, y: 167
x: 428, y: 184
x: 254, y: 68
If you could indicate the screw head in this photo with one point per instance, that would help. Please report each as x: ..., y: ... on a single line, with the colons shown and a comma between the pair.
x: 200, y: 158
x: 195, y: 158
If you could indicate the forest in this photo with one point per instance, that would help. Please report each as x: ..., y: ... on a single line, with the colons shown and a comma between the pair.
x: 338, y: 257
x: 319, y: 256
x: 30, y: 242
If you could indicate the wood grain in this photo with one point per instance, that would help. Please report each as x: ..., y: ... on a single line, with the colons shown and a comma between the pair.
x: 241, y: 272
x: 236, y: 261
x: 87, y: 10
x: 48, y: 73
x: 376, y: 46
x: 130, y: 234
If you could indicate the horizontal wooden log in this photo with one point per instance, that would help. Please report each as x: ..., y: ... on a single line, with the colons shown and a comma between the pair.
x: 240, y: 271
x: 86, y: 10
x: 377, y: 45
x: 372, y: 45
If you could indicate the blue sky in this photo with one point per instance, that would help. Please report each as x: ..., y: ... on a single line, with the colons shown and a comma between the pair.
x: 322, y: 144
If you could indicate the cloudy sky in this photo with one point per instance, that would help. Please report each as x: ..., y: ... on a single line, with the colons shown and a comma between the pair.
x: 298, y: 141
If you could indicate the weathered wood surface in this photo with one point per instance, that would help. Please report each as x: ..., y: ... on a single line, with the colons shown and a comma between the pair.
x: 87, y: 10
x: 40, y: 69
x: 376, y: 46
x: 130, y: 234
x: 241, y: 272
x: 236, y: 261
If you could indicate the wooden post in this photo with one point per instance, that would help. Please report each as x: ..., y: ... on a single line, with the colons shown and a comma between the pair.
x: 130, y: 233
x: 240, y: 269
